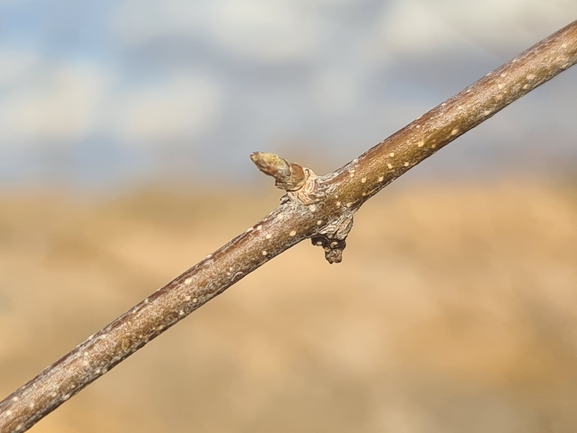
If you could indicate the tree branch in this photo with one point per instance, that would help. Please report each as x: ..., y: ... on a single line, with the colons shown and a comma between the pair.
x: 319, y: 208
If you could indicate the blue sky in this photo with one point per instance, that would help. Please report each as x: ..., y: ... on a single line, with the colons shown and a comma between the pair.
x: 101, y: 94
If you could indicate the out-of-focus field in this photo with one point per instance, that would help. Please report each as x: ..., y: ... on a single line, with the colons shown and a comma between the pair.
x: 454, y: 310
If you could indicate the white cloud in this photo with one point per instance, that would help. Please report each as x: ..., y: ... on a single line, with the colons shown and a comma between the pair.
x: 412, y: 27
x: 408, y: 27
x: 264, y: 30
x: 506, y: 22
x: 135, y: 21
x: 336, y: 91
x: 181, y: 107
x: 55, y: 103
x: 15, y: 64
x: 59, y: 103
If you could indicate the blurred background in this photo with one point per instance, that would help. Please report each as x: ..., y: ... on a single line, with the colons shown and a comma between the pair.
x: 125, y: 130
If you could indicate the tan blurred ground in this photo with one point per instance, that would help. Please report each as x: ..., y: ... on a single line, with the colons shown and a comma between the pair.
x: 455, y: 309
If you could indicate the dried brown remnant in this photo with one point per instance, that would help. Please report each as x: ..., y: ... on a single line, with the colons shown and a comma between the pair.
x: 333, y: 248
x: 333, y: 235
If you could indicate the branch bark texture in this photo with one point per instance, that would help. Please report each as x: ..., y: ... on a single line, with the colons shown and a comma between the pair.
x: 320, y: 208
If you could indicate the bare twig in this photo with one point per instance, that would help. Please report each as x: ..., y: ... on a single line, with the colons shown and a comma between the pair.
x: 319, y: 208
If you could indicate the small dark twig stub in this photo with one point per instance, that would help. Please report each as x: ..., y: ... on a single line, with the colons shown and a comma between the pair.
x: 317, y: 207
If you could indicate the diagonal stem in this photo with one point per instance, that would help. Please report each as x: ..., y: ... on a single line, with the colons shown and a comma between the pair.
x: 319, y: 208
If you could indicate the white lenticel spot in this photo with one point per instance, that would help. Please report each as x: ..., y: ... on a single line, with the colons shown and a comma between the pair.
x: 355, y: 160
x: 209, y: 256
x: 389, y: 165
x: 280, y: 216
x: 349, y: 204
x: 338, y: 203
x: 14, y: 398
x: 364, y: 194
x: 85, y: 363
x: 188, y: 281
x: 319, y: 222
x: 381, y: 178
x: 181, y: 312
x: 433, y: 146
x: 195, y: 300
x: 259, y: 227
x: 249, y: 229
x: 8, y: 413
x: 564, y: 46
x: 454, y: 131
x: 146, y: 301
x: 530, y: 76
x: 187, y: 298
x: 486, y: 112
x: 231, y: 269
x: 421, y: 143
x: 312, y: 208
x: 499, y: 86
x: 293, y: 233
x: 392, y: 154
x: 525, y: 86
x: 65, y: 397
x: 406, y: 164
x: 264, y: 253
x: 268, y: 236
x: 363, y: 180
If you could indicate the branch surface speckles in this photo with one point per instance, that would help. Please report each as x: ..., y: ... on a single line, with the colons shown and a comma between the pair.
x: 317, y: 207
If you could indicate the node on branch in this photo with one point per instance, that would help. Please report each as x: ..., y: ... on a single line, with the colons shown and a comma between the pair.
x: 305, y: 188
